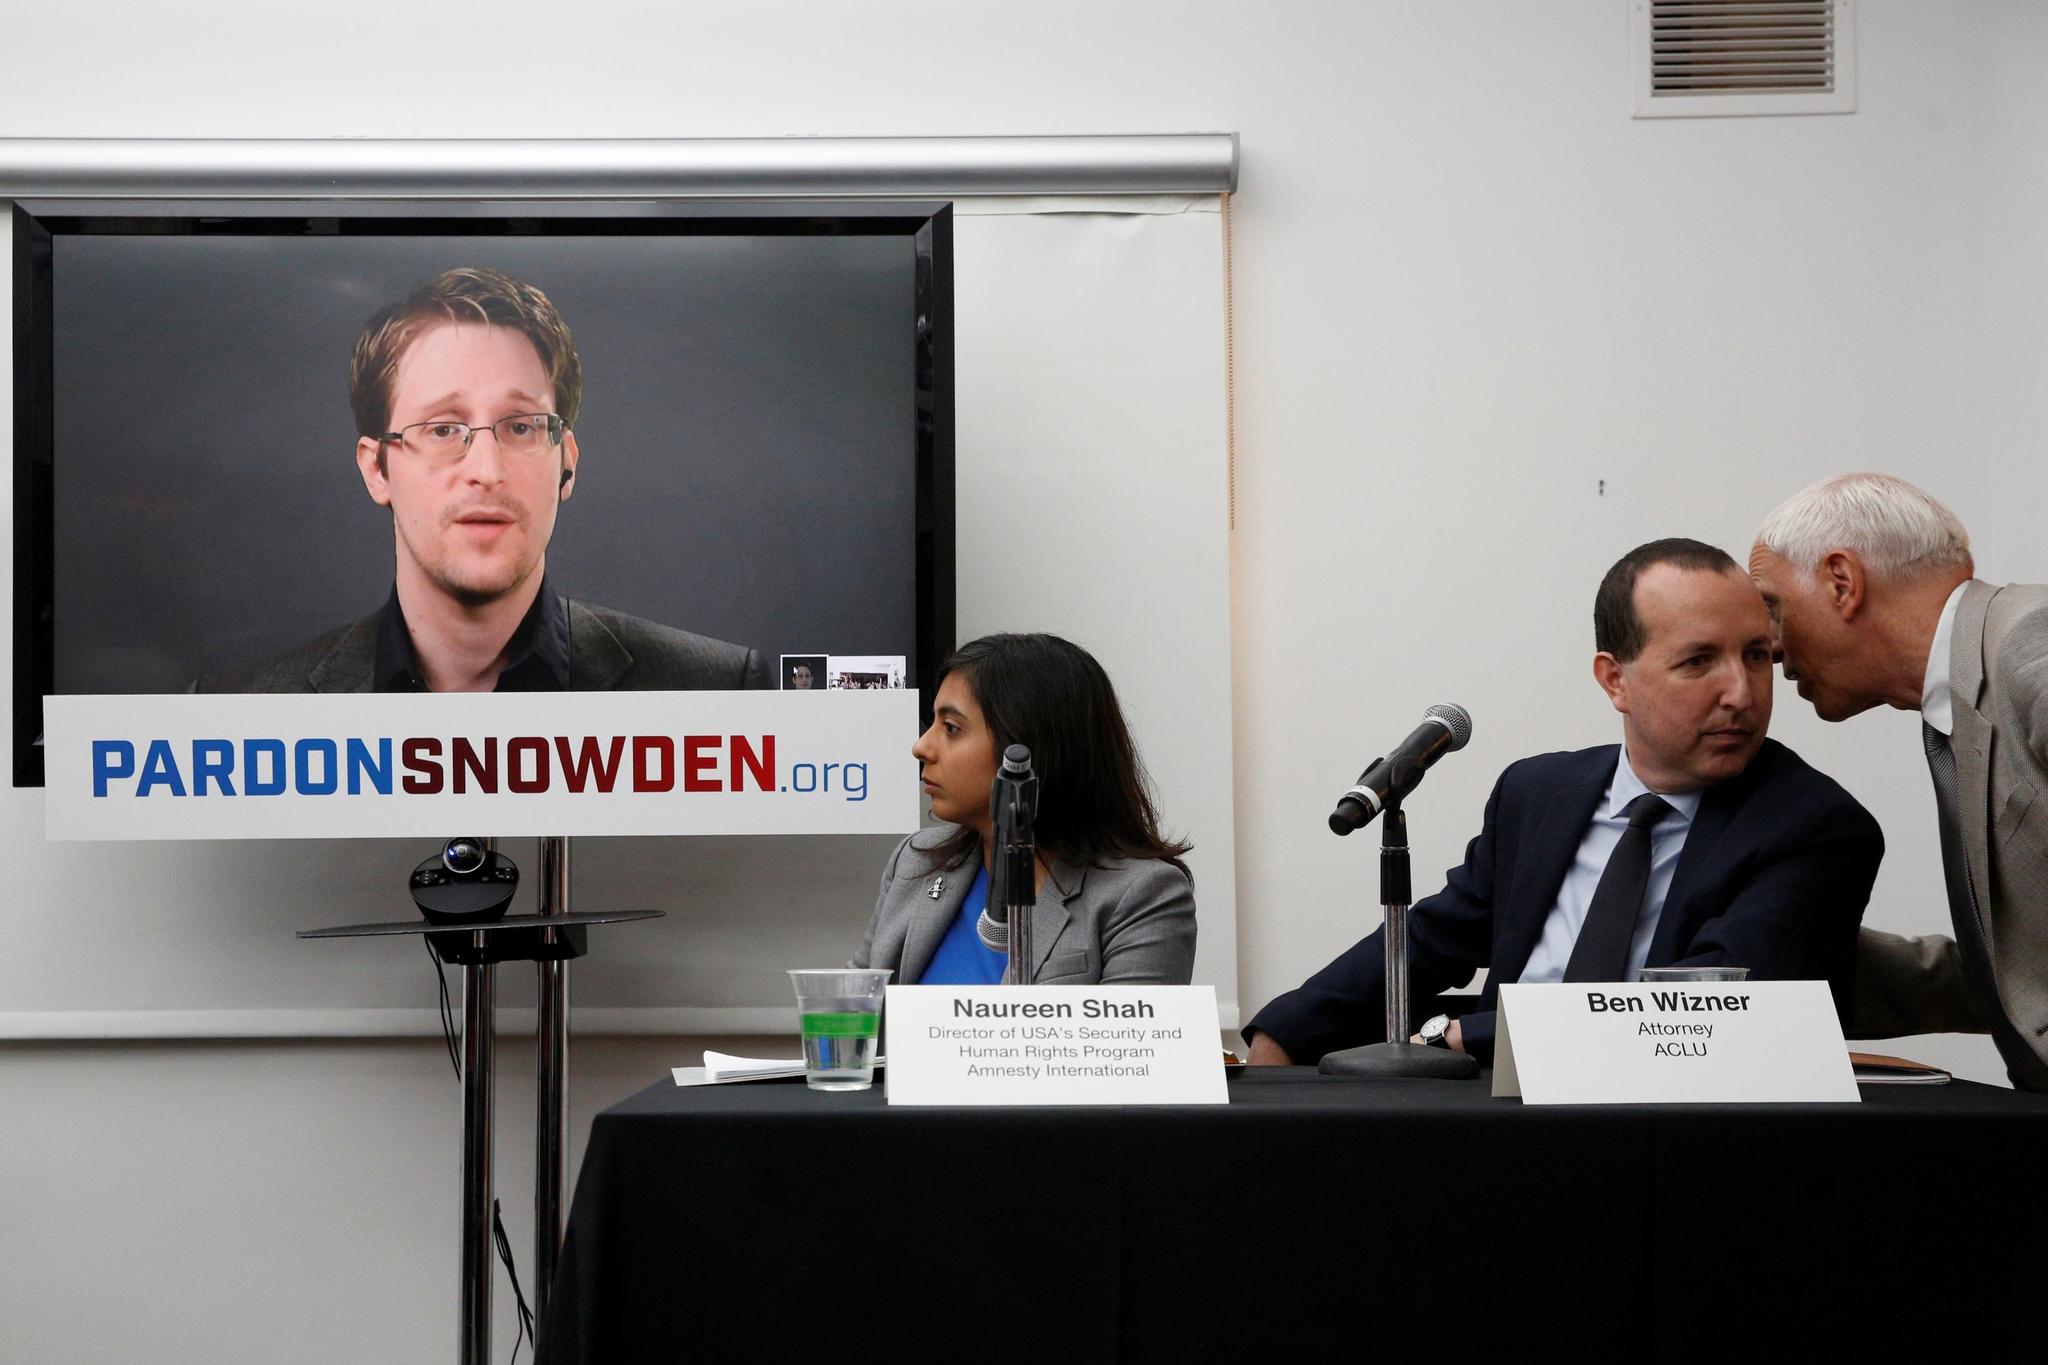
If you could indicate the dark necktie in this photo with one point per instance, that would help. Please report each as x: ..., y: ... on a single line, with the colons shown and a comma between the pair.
x: 1955, y: 863
x: 1601, y: 954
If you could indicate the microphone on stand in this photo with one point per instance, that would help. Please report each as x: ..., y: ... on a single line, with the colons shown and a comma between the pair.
x: 1444, y: 728
x: 1381, y: 789
x: 1005, y: 925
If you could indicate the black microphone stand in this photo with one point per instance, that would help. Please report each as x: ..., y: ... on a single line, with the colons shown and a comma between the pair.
x: 1013, y: 884
x: 1397, y: 1057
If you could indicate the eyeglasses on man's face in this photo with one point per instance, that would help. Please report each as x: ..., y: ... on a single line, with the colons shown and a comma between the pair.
x: 523, y: 435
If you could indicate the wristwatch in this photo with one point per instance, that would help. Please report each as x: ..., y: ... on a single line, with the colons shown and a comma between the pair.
x: 1434, y: 1032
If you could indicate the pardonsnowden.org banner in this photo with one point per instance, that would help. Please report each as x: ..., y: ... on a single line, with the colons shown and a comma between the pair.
x: 374, y: 765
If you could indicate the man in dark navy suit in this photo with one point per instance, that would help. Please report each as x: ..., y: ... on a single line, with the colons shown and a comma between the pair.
x: 1696, y: 841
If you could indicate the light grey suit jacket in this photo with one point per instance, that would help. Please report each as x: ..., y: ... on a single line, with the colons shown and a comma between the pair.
x: 1132, y: 921
x: 1998, y: 681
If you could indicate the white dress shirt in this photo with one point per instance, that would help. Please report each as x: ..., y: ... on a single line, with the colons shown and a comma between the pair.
x: 1935, y: 707
x: 1575, y: 897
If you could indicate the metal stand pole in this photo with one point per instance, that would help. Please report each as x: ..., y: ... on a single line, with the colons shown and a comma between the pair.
x: 559, y: 935
x: 1020, y: 944
x: 478, y: 1029
x: 1395, y: 896
x: 551, y: 1081
x: 1397, y: 1057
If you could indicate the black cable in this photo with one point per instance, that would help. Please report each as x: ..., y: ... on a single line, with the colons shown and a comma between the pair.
x: 447, y: 1010
x: 512, y: 1272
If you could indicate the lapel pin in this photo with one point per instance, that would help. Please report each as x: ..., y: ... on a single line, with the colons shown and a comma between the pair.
x: 938, y: 885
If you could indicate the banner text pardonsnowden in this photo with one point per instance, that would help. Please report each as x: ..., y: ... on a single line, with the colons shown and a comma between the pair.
x: 567, y: 763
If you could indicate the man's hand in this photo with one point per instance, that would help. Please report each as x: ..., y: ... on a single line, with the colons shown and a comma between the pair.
x: 1454, y: 1036
x: 1266, y: 1052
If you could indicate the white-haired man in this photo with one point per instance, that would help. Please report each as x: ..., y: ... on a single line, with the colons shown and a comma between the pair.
x: 1871, y: 588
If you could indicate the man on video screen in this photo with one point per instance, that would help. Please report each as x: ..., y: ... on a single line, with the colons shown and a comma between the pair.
x: 464, y: 395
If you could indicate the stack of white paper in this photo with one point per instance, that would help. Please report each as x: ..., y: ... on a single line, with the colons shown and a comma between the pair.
x: 722, y: 1069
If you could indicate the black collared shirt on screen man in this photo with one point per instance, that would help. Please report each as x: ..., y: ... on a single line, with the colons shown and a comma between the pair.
x: 561, y: 645
x: 537, y: 655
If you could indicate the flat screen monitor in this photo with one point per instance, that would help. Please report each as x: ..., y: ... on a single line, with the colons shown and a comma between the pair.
x: 763, y: 446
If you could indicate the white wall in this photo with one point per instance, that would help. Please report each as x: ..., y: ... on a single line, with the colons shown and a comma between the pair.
x: 2011, y: 264
x: 1468, y: 289
x: 1473, y: 290
x: 208, y: 1203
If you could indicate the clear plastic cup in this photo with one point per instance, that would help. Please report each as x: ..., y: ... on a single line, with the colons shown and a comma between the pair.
x: 1656, y: 974
x: 841, y: 1012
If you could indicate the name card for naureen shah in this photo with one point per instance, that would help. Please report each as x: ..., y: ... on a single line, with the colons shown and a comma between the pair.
x: 1053, y: 1045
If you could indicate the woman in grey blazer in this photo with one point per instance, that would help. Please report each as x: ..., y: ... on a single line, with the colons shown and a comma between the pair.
x: 1115, y: 902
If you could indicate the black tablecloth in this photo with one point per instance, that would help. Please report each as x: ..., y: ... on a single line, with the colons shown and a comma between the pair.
x: 1309, y: 1219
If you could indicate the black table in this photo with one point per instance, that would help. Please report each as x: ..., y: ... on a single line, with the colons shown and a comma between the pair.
x: 1310, y: 1218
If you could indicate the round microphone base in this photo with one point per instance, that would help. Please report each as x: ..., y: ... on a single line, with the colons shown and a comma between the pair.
x: 1399, y: 1061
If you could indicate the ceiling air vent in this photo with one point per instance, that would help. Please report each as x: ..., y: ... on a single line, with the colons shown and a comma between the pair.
x: 1702, y: 58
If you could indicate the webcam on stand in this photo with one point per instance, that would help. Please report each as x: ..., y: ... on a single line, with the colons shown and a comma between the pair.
x: 465, y: 883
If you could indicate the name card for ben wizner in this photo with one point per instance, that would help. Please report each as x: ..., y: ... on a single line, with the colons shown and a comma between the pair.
x: 1053, y: 1045
x: 1708, y: 1042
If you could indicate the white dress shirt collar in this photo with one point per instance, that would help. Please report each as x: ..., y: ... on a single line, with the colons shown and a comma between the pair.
x: 1626, y: 787
x: 1936, y: 706
x: 1553, y: 951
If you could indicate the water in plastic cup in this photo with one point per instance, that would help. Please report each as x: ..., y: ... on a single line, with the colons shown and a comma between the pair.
x: 1656, y: 974
x: 841, y: 1011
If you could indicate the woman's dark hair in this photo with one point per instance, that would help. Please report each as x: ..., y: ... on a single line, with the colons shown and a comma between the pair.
x: 1050, y: 695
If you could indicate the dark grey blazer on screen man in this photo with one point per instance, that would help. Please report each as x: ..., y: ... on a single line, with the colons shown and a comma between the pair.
x: 1773, y: 877
x: 1131, y: 921
x: 609, y: 651
x: 1998, y: 688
